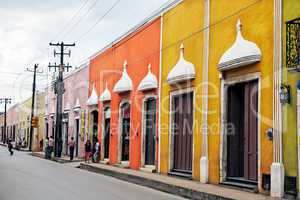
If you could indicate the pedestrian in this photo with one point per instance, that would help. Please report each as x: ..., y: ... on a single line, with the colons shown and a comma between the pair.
x: 88, y: 149
x: 41, y: 144
x: 71, y: 148
x: 10, y: 146
x: 96, y: 151
x: 51, y: 147
x: 47, y: 148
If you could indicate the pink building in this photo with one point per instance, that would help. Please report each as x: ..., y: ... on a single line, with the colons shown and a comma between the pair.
x: 12, y: 123
x: 74, y: 110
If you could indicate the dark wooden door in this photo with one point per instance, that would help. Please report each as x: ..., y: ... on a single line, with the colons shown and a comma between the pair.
x: 125, y: 131
x: 251, y: 108
x: 77, y: 137
x: 235, y: 131
x: 150, y: 131
x: 106, y: 137
x: 183, y: 132
x: 242, y: 108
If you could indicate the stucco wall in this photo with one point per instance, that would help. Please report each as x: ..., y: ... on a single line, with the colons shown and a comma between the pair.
x: 180, y: 25
x: 257, y: 20
x: 291, y: 10
x: 139, y: 49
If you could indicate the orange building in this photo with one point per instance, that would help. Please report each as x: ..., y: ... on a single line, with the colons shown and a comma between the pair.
x: 123, y: 103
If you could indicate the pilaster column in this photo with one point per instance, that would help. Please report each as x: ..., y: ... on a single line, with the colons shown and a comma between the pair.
x: 277, y: 168
x: 204, y: 162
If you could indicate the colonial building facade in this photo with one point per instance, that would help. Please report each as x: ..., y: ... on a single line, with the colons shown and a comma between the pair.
x: 74, y: 110
x: 124, y: 98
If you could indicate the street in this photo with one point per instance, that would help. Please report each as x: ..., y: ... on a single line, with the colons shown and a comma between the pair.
x: 23, y: 177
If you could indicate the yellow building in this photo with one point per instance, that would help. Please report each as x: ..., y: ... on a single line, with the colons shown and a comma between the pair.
x: 25, y: 116
x: 217, y: 86
x: 291, y: 76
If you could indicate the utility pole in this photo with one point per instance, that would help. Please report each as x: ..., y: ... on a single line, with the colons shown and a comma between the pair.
x: 59, y: 91
x: 5, y: 101
x: 32, y: 104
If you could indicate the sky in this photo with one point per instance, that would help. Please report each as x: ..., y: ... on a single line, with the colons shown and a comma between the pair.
x: 27, y: 27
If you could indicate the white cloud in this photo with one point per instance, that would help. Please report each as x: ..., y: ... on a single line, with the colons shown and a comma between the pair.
x: 27, y: 26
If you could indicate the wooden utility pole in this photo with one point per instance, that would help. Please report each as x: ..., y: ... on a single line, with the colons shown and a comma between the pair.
x: 32, y: 105
x: 59, y: 91
x: 5, y: 101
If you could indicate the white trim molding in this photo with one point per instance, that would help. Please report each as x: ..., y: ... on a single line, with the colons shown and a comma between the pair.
x: 171, y: 121
x: 225, y: 83
x: 277, y: 168
x: 143, y: 135
x: 204, y: 161
x: 125, y: 163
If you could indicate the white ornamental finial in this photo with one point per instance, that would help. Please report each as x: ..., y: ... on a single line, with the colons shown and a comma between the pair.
x: 181, y: 49
x: 125, y: 65
x: 239, y: 26
x: 149, y: 67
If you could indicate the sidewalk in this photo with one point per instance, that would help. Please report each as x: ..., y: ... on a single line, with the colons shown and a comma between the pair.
x: 185, y: 188
x: 63, y: 159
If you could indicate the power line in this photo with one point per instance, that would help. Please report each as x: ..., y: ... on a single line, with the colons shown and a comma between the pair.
x: 80, y: 19
x: 188, y: 36
x: 71, y: 19
x: 98, y: 21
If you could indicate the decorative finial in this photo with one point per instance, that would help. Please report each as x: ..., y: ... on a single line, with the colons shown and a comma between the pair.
x: 106, y: 84
x: 239, y: 25
x: 125, y: 65
x: 149, y: 67
x: 181, y: 49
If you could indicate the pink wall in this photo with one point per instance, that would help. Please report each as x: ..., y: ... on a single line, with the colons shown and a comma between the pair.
x: 76, y: 87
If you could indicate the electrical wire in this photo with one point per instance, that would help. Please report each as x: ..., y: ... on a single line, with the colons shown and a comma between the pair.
x: 80, y: 19
x: 98, y: 21
x: 66, y: 25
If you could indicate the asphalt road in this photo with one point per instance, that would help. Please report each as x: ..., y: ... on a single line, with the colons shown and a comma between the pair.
x: 23, y: 177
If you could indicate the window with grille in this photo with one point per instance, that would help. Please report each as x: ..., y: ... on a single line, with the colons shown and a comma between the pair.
x: 293, y: 44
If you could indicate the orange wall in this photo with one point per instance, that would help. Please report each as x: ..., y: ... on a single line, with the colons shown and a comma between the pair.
x: 139, y: 49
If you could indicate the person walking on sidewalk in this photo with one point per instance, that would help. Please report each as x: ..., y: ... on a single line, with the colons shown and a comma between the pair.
x: 51, y: 147
x: 47, y: 148
x: 71, y: 148
x: 96, y: 152
x: 88, y: 150
x: 10, y: 146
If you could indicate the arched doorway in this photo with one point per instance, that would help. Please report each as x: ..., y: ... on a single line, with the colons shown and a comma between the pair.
x: 125, y: 131
x: 106, y: 132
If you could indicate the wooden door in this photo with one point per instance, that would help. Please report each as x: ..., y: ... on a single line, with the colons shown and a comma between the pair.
x: 242, y: 145
x: 125, y: 131
x: 251, y: 109
x: 77, y: 137
x: 106, y: 133
x: 183, y: 132
x: 150, y: 131
x: 235, y: 131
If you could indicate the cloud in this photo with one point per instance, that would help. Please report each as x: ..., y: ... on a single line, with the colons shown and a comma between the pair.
x: 27, y: 26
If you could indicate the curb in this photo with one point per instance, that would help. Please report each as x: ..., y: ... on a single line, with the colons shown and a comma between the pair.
x: 157, y: 185
x: 58, y: 160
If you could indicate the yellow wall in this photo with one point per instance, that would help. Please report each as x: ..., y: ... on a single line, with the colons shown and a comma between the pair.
x: 257, y: 22
x: 291, y: 10
x: 185, y: 22
x: 41, y: 114
x: 25, y: 113
x: 179, y: 24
